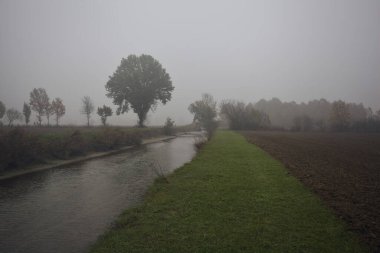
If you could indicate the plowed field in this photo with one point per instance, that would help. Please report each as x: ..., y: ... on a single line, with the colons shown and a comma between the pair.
x: 343, y: 169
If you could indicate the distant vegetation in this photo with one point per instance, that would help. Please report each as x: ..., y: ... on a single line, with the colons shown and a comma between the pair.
x: 140, y: 83
x: 320, y: 115
x: 243, y: 117
x: 316, y: 115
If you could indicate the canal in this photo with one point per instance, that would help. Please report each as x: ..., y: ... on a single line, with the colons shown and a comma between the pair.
x: 66, y: 209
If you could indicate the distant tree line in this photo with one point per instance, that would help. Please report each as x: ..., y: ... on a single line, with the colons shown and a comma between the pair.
x: 241, y: 116
x: 320, y: 115
x: 316, y: 115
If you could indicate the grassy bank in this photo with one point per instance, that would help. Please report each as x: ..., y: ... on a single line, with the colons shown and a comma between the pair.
x: 25, y: 146
x: 232, y: 197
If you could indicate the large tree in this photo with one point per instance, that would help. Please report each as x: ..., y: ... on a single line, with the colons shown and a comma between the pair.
x: 139, y: 82
x: 104, y: 112
x: 39, y: 102
x: 26, y: 111
x: 87, y: 108
x: 12, y: 115
x: 58, y: 109
x: 205, y: 113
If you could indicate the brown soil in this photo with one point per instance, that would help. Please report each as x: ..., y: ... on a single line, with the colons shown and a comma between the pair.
x: 342, y: 168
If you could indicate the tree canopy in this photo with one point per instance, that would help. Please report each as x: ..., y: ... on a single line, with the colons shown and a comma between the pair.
x: 12, y: 115
x: 205, y: 113
x: 39, y: 101
x: 26, y: 111
x: 104, y: 112
x: 139, y: 82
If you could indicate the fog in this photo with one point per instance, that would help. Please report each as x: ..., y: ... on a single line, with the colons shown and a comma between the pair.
x: 246, y: 50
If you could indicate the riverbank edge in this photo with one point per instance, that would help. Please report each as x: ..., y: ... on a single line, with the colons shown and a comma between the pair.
x: 51, y: 164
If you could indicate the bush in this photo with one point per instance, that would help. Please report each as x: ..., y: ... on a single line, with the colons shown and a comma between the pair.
x: 76, y: 144
x: 200, y: 142
x: 18, y: 148
x: 110, y: 139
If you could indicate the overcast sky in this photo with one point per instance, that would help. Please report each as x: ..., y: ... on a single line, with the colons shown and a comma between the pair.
x: 247, y: 50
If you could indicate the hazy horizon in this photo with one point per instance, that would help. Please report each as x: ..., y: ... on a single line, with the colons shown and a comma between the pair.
x: 244, y: 50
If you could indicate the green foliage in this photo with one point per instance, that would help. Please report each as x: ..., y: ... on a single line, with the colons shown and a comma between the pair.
x: 205, y: 113
x: 169, y: 126
x: 39, y: 101
x: 104, y: 112
x: 27, y: 112
x: 139, y: 82
x: 232, y: 197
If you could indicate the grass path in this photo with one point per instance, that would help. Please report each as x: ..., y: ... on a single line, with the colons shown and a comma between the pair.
x: 232, y: 197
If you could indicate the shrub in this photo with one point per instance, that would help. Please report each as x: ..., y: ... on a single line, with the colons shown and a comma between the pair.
x: 18, y: 148
x: 76, y: 144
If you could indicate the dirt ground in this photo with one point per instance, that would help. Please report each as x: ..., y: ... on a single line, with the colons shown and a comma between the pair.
x: 342, y: 168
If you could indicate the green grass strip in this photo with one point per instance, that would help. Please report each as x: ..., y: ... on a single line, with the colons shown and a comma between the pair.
x: 233, y: 197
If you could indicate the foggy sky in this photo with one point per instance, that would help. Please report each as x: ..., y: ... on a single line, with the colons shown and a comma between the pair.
x: 247, y: 50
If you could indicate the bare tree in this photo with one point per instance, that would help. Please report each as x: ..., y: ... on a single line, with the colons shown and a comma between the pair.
x: 26, y: 111
x: 104, y: 112
x: 39, y: 102
x: 12, y: 115
x: 87, y: 108
x: 58, y: 109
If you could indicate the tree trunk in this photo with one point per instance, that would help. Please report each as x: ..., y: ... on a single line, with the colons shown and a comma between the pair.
x: 39, y: 118
x: 141, y: 120
x: 88, y: 120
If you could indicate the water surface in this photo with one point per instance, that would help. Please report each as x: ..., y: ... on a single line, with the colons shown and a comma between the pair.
x: 66, y: 209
